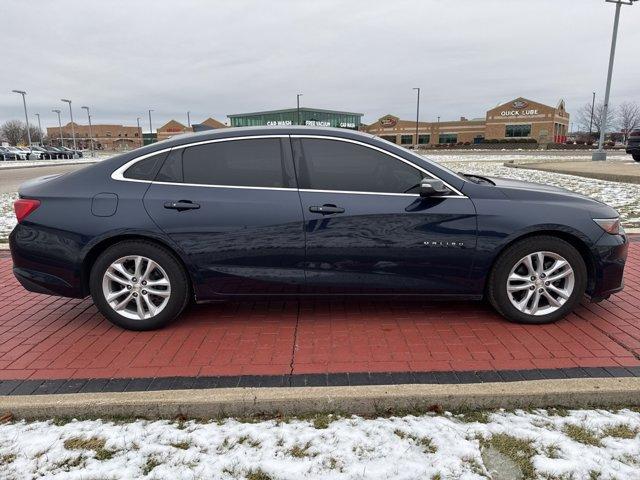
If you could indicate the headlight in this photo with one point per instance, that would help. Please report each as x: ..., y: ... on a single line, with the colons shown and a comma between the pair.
x: 609, y: 225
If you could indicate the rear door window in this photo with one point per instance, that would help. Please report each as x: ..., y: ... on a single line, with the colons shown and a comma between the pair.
x: 145, y: 169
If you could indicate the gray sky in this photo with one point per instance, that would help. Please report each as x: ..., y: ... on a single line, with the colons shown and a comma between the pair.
x: 220, y: 57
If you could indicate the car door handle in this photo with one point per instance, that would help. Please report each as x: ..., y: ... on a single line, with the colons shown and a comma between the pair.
x: 326, y: 209
x: 181, y: 205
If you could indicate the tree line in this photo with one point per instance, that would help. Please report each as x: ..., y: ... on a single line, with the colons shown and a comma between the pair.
x: 15, y: 132
x: 623, y: 118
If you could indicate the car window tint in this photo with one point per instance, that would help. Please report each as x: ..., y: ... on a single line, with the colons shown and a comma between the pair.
x: 171, y: 170
x: 337, y: 165
x: 252, y: 163
x: 145, y: 169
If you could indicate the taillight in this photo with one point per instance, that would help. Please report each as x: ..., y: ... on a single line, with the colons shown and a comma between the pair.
x: 24, y: 206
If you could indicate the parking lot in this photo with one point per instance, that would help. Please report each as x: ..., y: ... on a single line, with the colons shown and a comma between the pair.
x: 64, y: 345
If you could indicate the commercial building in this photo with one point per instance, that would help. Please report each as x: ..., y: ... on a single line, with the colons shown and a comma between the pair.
x: 517, y: 119
x: 105, y: 137
x: 173, y: 128
x: 312, y: 117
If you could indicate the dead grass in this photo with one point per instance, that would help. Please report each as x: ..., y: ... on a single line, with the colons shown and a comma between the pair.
x: 581, y: 434
x: 298, y: 451
x: 620, y: 431
x: 258, y: 475
x: 151, y: 463
x: 7, y: 459
x: 184, y: 445
x: 520, y: 451
x: 95, y: 444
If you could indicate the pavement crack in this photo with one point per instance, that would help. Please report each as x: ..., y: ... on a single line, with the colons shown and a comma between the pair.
x: 295, y: 344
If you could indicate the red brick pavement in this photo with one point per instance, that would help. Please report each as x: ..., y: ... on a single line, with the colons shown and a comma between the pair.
x: 43, y: 337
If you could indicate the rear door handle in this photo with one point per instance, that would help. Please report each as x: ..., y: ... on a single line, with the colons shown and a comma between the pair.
x: 326, y: 209
x: 181, y: 205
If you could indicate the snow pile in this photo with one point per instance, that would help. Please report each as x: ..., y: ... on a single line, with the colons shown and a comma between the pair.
x: 543, y: 444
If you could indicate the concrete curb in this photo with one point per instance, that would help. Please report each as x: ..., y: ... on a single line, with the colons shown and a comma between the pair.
x: 364, y: 400
x: 609, y: 177
x: 17, y: 167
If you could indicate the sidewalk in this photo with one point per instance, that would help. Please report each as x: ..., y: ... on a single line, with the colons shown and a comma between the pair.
x: 614, y: 171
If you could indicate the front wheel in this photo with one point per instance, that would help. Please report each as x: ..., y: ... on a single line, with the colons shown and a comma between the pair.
x: 139, y: 285
x: 636, y: 156
x: 537, y: 280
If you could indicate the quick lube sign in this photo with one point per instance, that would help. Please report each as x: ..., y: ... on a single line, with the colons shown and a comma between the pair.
x: 520, y: 112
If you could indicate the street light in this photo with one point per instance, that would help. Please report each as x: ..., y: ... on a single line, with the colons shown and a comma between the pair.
x: 593, y: 103
x: 59, y: 125
x: 26, y: 117
x: 73, y: 132
x: 298, y: 107
x: 139, y: 131
x: 39, y: 128
x: 150, y: 126
x: 600, y: 154
x: 189, y: 118
x: 417, y: 113
x: 90, y: 132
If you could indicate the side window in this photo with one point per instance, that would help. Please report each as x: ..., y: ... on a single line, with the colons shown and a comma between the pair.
x: 171, y: 170
x: 336, y: 165
x: 145, y: 169
x: 251, y: 163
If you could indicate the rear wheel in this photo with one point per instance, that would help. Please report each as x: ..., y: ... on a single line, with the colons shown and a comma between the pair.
x: 636, y: 156
x: 139, y: 285
x: 537, y: 280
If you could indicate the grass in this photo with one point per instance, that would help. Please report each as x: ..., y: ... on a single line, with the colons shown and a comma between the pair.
x: 322, y: 421
x: 300, y: 452
x: 184, y: 445
x: 7, y: 459
x: 518, y: 450
x: 425, y: 442
x: 620, y: 431
x: 581, y: 434
x: 94, y: 443
x: 551, y: 451
x: 71, y: 463
x: 152, y: 463
x: 257, y: 475
x: 471, y: 416
x: 246, y: 439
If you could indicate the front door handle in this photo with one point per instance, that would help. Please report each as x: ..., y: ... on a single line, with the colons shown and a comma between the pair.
x: 326, y: 209
x: 181, y: 205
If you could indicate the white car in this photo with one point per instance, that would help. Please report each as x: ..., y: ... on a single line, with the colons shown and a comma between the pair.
x: 22, y: 155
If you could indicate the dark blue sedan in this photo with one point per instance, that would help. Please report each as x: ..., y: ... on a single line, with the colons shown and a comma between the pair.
x: 306, y: 211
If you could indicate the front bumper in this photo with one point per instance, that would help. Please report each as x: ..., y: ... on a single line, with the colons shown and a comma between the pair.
x: 610, y: 255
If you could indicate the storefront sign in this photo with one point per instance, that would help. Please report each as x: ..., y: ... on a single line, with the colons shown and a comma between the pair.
x: 519, y: 105
x: 388, y: 122
x: 347, y: 125
x: 273, y: 123
x: 316, y: 123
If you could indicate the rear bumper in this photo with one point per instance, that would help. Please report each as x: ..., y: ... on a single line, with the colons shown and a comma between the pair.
x: 610, y: 257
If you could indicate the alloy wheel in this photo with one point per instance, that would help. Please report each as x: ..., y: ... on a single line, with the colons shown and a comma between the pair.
x: 540, y: 283
x: 136, y: 287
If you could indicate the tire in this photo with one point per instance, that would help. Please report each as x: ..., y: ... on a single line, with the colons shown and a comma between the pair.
x: 168, y: 267
x: 554, y: 249
x: 636, y: 156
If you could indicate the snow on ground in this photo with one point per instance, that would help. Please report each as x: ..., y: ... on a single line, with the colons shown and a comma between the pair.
x: 554, y: 444
x: 32, y: 163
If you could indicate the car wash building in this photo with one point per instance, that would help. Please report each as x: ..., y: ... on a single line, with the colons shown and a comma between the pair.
x: 312, y: 117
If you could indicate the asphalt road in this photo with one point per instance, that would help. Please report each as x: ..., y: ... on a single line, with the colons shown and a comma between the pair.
x: 10, y: 179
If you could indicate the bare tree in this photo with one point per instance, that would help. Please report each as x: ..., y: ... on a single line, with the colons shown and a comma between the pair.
x: 583, y: 118
x: 35, y: 134
x: 628, y: 118
x: 12, y: 131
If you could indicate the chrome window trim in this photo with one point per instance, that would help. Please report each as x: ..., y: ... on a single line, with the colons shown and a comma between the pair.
x: 373, y: 147
x: 118, y: 174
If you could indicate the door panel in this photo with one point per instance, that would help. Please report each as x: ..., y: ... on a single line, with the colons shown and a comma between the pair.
x: 383, y: 242
x: 240, y: 240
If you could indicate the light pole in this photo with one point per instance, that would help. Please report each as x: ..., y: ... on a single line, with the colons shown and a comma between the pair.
x: 90, y: 132
x: 417, y: 113
x: 73, y: 132
x: 26, y: 117
x: 150, y: 126
x: 189, y: 118
x: 600, y: 154
x: 298, y: 107
x: 593, y: 104
x: 39, y: 128
x: 59, y: 125
x: 139, y: 131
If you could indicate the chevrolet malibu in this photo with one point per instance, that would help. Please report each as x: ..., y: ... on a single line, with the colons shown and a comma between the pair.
x: 297, y: 211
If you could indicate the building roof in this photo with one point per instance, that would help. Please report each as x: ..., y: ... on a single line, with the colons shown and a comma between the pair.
x: 291, y: 110
x: 212, y: 122
x: 172, y: 124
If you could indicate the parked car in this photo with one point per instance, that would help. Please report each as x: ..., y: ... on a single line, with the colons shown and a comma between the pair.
x: 6, y: 154
x: 633, y: 145
x: 40, y: 152
x: 72, y: 153
x: 301, y: 211
x: 19, y: 153
x: 60, y: 153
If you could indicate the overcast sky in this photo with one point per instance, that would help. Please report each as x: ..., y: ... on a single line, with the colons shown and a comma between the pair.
x: 122, y: 57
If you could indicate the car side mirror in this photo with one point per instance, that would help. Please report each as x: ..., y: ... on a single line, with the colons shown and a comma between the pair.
x: 430, y: 187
